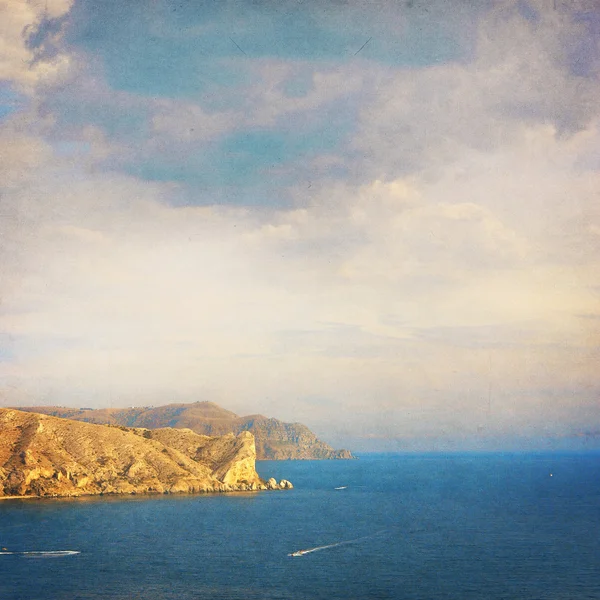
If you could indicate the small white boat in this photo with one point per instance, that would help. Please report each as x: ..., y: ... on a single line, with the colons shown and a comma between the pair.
x: 343, y: 487
x: 299, y: 553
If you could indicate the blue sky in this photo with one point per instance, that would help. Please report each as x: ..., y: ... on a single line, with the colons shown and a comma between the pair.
x: 206, y: 54
x: 377, y: 219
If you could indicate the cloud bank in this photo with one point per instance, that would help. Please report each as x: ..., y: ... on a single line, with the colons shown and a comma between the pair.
x: 397, y: 245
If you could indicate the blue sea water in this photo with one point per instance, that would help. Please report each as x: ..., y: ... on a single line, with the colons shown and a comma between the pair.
x: 470, y: 526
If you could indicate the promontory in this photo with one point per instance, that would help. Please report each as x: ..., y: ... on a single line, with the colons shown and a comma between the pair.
x: 275, y: 439
x: 42, y: 455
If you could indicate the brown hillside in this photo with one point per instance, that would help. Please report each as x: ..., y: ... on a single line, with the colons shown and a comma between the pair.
x: 41, y: 455
x: 275, y: 440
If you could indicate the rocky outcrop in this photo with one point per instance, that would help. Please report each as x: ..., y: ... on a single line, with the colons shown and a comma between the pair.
x: 275, y: 440
x: 41, y: 455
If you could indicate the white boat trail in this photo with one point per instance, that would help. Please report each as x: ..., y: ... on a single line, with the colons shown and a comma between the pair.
x: 41, y: 554
x: 317, y: 548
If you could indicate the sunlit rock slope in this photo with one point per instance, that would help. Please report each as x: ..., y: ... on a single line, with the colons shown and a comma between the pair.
x: 42, y: 455
x: 275, y: 440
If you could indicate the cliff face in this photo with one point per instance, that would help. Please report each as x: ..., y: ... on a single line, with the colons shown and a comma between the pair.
x: 275, y: 440
x: 42, y: 455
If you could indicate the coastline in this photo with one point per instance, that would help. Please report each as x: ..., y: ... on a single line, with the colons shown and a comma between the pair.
x: 270, y: 485
x: 20, y: 497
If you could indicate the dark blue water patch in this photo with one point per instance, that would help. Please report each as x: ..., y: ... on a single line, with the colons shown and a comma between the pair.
x: 414, y: 526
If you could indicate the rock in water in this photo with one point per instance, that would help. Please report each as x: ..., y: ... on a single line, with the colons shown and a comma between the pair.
x: 42, y: 455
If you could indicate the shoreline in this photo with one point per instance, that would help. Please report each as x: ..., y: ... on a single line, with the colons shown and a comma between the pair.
x: 148, y: 494
x: 20, y: 497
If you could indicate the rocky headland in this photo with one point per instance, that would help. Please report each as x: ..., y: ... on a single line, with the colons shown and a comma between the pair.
x: 42, y: 455
x: 275, y: 440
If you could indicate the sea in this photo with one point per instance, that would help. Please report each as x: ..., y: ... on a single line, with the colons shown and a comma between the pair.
x: 397, y: 526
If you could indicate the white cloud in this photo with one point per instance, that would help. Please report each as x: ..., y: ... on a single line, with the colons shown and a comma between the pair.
x: 131, y: 295
x: 462, y: 255
x: 18, y: 61
x: 266, y: 101
x: 521, y: 75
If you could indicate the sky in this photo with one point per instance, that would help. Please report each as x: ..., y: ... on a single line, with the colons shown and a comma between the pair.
x: 380, y: 219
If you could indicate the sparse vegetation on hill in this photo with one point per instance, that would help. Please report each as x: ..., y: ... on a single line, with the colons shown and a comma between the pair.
x: 42, y: 455
x: 275, y: 440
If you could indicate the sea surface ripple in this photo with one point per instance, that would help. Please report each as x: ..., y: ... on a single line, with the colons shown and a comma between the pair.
x: 425, y: 526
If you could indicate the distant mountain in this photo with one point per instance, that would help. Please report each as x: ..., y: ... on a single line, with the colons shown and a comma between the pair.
x: 41, y: 455
x: 275, y: 440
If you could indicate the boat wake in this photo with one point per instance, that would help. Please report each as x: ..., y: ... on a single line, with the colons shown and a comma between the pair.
x: 317, y: 548
x: 42, y: 554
